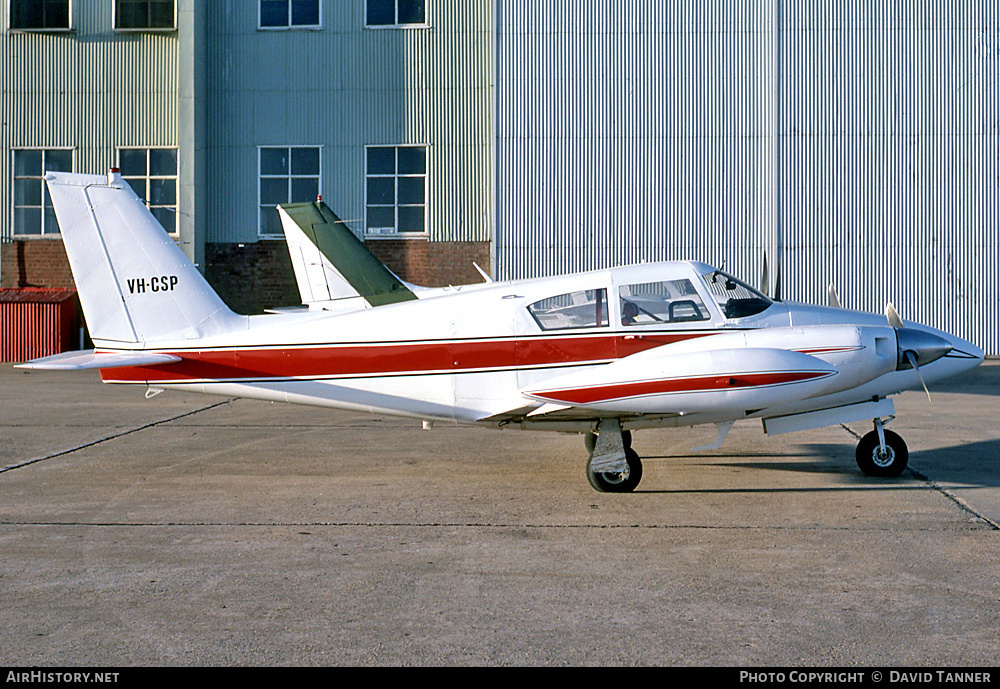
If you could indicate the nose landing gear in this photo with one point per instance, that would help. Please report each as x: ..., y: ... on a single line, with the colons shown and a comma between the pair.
x: 882, y: 453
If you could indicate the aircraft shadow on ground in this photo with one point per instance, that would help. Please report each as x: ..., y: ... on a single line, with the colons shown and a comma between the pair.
x: 975, y: 465
x: 984, y: 380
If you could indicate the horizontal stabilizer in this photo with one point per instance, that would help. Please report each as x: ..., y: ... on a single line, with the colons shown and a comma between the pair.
x: 78, y: 361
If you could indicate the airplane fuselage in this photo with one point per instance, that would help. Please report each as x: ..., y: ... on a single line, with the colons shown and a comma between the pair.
x: 470, y: 356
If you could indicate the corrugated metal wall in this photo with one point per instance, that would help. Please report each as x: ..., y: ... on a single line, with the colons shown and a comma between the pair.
x: 631, y: 131
x: 36, y: 323
x: 91, y: 89
x: 344, y: 87
x: 860, y: 138
x: 889, y: 160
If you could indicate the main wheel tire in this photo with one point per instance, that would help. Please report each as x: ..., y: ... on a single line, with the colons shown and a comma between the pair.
x: 873, y: 462
x: 618, y: 482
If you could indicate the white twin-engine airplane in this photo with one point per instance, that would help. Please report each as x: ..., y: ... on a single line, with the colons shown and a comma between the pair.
x: 601, y: 353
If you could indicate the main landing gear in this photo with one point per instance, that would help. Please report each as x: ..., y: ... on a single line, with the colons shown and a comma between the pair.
x: 882, y: 453
x: 613, y: 466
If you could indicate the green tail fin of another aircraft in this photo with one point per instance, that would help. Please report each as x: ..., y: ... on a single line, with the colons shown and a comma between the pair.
x: 332, y: 263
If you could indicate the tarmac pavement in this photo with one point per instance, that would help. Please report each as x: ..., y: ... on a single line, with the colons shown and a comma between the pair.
x: 194, y: 530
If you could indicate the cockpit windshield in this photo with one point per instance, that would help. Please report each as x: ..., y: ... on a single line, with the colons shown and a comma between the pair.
x: 736, y: 299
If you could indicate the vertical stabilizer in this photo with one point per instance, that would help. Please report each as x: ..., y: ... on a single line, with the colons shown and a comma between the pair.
x: 134, y: 282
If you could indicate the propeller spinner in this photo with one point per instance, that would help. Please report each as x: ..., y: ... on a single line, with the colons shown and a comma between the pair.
x: 915, y: 347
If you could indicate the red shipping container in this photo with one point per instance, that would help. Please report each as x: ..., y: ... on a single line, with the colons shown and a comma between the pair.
x: 37, y: 322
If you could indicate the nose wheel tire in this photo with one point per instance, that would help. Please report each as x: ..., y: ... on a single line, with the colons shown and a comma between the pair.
x: 618, y: 482
x: 876, y: 461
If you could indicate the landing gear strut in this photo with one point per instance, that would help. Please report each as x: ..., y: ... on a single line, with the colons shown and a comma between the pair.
x: 590, y: 440
x: 882, y: 453
x: 613, y: 466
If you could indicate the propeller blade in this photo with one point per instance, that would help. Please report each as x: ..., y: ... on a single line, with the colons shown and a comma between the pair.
x: 834, y: 298
x: 912, y: 358
x: 890, y: 313
x: 912, y: 343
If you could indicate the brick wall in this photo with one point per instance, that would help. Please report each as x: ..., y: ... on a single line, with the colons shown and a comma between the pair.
x: 433, y: 264
x: 253, y: 277
x: 35, y: 263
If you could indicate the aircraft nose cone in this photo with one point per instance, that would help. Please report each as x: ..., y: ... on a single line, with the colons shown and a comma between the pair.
x: 926, y: 347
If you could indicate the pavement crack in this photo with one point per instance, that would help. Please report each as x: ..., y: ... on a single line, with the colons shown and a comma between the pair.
x: 962, y: 504
x: 113, y: 436
x: 353, y: 524
x: 933, y: 485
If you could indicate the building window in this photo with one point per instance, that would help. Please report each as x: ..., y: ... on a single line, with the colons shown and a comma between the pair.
x: 396, y: 189
x: 152, y: 173
x: 288, y: 174
x: 284, y: 14
x: 33, y: 214
x: 39, y: 14
x: 144, y: 14
x: 395, y: 13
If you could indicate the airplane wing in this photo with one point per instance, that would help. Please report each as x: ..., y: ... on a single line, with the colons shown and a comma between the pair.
x: 86, y: 359
x: 538, y: 412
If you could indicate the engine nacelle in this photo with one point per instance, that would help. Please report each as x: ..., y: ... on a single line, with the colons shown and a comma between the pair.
x: 731, y: 372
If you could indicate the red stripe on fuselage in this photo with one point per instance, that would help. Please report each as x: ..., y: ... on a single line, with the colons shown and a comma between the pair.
x: 393, y: 358
x: 712, y: 383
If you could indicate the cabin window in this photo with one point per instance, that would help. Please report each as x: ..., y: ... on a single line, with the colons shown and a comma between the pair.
x: 152, y: 174
x: 736, y: 299
x: 671, y: 301
x: 583, y: 309
x: 33, y: 214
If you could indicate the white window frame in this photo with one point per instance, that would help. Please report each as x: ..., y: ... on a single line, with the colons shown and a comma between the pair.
x: 394, y: 232
x: 68, y: 27
x: 396, y: 25
x: 290, y: 26
x: 131, y: 29
x: 174, y: 207
x: 261, y: 176
x: 13, y: 177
